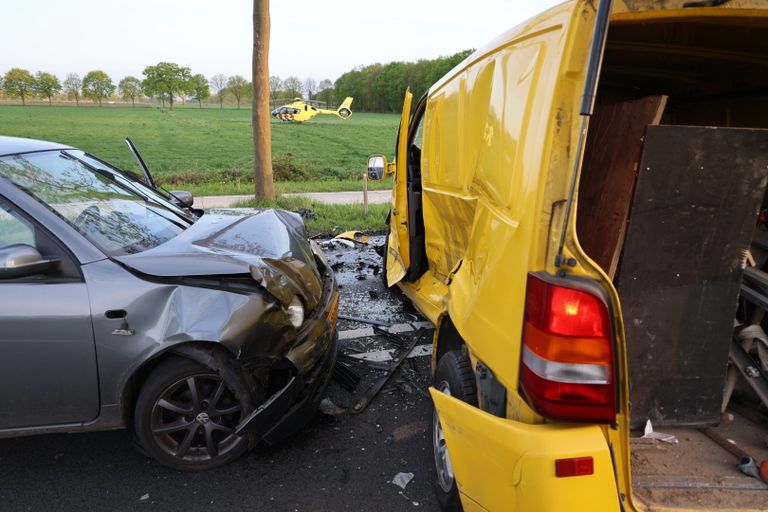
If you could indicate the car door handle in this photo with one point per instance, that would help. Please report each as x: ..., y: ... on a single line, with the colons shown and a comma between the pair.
x: 124, y: 329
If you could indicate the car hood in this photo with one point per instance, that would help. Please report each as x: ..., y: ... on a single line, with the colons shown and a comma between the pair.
x: 270, y: 245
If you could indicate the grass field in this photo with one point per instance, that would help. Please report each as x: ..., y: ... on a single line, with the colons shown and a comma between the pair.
x: 331, y: 219
x: 209, y: 151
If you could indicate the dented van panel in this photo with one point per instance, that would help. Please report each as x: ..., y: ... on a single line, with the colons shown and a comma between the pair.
x: 498, y: 157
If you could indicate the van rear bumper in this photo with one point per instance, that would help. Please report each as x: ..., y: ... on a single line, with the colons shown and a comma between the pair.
x: 502, y: 464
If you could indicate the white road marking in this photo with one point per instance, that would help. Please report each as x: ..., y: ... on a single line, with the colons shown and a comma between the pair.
x: 386, y: 355
x: 367, y: 332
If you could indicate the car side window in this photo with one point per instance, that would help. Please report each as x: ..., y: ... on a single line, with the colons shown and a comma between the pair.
x: 18, y: 228
x: 13, y: 228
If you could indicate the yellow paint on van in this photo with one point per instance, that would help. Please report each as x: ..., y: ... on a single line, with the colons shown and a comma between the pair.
x: 499, y: 139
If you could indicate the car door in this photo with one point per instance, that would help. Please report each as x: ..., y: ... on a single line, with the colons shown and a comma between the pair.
x: 48, y: 372
x: 398, y: 253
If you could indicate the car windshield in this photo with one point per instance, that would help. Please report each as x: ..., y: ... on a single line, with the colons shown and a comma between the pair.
x: 116, y: 216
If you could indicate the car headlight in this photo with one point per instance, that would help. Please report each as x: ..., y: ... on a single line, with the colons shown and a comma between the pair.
x: 296, y: 312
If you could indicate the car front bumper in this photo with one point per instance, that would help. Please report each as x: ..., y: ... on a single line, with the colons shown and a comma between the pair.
x: 313, y: 357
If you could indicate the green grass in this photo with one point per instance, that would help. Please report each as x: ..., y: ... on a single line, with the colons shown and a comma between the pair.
x: 245, y: 186
x: 331, y: 219
x: 209, y: 151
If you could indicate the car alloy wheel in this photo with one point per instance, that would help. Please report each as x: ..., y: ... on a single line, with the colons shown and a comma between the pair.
x: 187, y: 412
x: 194, y: 419
x: 442, y: 459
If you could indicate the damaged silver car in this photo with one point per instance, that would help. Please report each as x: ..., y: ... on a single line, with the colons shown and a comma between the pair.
x: 119, y: 307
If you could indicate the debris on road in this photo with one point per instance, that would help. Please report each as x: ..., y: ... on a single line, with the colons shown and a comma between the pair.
x: 353, y: 236
x: 650, y: 434
x: 329, y: 408
x: 402, y: 479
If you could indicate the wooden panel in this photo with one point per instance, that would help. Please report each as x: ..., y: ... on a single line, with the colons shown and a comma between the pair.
x: 608, y: 174
x: 693, y: 214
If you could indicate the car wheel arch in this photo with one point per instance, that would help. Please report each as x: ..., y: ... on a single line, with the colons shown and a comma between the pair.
x: 207, y: 353
x: 446, y: 339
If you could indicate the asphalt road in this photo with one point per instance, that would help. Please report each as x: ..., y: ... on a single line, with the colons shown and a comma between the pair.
x: 348, y: 197
x: 337, y: 463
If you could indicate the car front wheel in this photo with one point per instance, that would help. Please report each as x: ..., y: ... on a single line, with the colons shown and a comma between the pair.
x: 186, y: 415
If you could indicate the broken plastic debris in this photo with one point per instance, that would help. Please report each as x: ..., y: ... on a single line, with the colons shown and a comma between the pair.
x: 329, y: 408
x: 650, y: 434
x: 353, y: 236
x: 402, y: 479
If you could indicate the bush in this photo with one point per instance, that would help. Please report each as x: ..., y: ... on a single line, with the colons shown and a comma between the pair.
x: 285, y: 168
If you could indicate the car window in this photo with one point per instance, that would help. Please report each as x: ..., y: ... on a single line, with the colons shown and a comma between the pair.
x: 114, y: 217
x: 418, y: 133
x: 14, y: 229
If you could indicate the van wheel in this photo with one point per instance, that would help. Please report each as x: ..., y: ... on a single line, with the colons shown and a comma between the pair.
x: 453, y: 377
x: 186, y: 415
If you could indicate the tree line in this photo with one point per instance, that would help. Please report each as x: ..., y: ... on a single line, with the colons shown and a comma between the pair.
x: 376, y: 87
x: 380, y: 87
x: 165, y: 81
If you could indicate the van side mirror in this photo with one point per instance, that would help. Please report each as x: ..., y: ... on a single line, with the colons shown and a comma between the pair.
x: 181, y: 198
x: 377, y: 166
x: 20, y: 260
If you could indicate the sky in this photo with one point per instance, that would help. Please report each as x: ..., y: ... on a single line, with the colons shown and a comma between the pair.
x: 318, y: 39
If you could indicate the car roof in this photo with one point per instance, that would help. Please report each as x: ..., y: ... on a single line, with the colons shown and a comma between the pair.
x: 16, y: 145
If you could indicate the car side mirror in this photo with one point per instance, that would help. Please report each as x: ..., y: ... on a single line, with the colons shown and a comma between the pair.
x: 377, y: 166
x: 182, y: 198
x: 20, y: 260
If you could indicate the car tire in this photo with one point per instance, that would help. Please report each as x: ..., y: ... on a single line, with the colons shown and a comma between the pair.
x: 454, y: 377
x: 186, y: 414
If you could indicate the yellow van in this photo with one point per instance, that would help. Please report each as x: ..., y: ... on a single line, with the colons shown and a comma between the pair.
x: 530, y: 206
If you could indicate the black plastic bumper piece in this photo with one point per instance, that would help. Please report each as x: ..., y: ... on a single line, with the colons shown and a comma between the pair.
x: 290, y: 408
x: 316, y: 383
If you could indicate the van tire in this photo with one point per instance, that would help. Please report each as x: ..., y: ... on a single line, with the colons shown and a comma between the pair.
x: 453, y: 376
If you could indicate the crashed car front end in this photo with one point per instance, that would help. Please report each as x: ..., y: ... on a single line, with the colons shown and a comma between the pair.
x: 264, y: 292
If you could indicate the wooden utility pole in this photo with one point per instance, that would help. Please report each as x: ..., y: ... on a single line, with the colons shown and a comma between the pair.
x: 262, y: 130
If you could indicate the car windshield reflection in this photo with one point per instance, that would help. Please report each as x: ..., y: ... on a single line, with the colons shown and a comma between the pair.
x: 102, y: 206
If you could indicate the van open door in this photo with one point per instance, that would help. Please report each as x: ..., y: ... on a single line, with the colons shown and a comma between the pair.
x: 398, y: 246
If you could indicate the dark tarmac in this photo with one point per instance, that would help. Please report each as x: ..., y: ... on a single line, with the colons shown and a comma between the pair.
x: 337, y: 463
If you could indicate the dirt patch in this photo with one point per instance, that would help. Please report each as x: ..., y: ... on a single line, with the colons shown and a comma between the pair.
x: 697, y: 461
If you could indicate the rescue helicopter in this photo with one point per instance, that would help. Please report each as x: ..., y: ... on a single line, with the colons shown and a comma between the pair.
x: 298, y: 111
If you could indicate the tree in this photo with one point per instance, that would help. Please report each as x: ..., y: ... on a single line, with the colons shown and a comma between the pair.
x: 72, y: 87
x: 219, y: 84
x: 130, y: 89
x: 325, y: 91
x: 46, y: 85
x: 19, y: 83
x: 264, y: 187
x: 310, y: 87
x: 166, y: 80
x: 238, y: 86
x: 275, y: 86
x: 198, y: 87
x: 292, y: 87
x: 97, y: 85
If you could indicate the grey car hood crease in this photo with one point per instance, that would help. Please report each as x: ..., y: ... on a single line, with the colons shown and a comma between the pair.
x: 269, y: 245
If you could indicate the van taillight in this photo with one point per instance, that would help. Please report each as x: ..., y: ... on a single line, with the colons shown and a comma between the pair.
x: 567, y: 369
